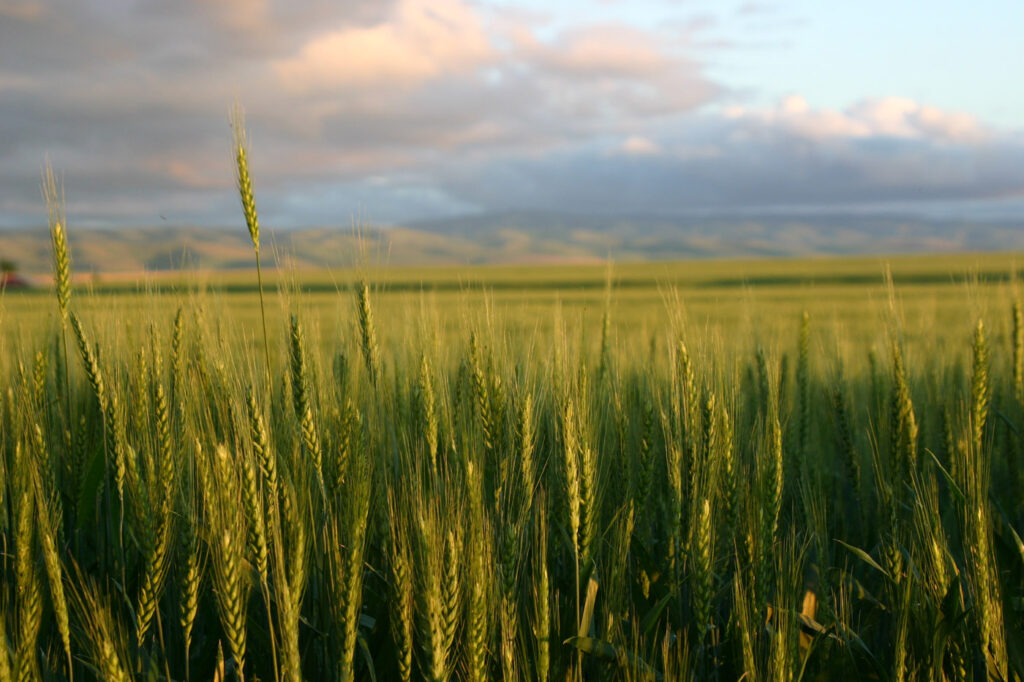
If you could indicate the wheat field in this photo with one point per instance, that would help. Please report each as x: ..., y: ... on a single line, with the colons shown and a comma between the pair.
x: 718, y: 471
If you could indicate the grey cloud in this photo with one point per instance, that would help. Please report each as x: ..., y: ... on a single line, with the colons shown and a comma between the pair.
x: 739, y: 165
x: 130, y: 101
x: 80, y: 34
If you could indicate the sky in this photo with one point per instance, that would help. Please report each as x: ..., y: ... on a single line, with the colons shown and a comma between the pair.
x: 389, y: 111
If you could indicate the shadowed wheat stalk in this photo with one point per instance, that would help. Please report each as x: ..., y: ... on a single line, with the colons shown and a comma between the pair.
x: 53, y: 194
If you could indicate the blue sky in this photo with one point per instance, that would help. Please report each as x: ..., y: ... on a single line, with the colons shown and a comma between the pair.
x: 393, y: 110
x: 951, y: 54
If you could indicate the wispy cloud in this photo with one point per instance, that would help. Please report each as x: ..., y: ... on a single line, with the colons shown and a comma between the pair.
x: 896, y: 117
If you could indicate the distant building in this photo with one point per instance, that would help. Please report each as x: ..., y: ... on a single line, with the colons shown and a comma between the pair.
x: 12, y: 280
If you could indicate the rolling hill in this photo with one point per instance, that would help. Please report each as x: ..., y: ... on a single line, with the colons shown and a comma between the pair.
x: 515, y: 237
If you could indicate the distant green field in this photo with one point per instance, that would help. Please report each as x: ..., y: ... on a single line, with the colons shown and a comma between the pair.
x: 737, y: 304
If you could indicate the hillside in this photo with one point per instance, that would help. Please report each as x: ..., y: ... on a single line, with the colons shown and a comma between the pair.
x: 512, y: 238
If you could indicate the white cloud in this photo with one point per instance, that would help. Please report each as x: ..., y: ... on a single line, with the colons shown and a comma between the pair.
x: 421, y: 40
x: 895, y: 117
x: 638, y: 145
x: 953, y: 126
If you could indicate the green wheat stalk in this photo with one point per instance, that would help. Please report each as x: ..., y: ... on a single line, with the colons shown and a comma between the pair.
x: 244, y: 183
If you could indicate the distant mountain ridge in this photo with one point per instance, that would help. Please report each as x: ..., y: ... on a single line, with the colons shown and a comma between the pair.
x: 514, y: 237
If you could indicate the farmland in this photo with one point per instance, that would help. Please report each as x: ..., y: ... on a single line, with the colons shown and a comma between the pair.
x: 587, y: 341
x: 778, y: 469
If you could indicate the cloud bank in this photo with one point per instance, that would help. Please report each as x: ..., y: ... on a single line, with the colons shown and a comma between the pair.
x: 404, y: 109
